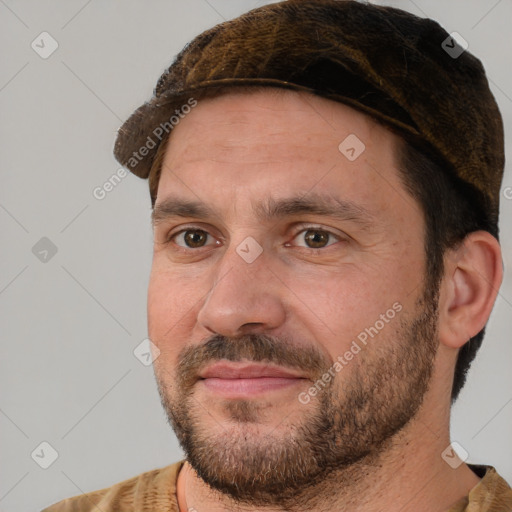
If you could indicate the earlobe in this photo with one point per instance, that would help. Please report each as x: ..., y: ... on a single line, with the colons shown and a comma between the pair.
x: 472, y: 278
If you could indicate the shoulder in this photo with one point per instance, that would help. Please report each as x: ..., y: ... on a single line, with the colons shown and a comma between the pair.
x: 152, y: 490
x: 492, y: 493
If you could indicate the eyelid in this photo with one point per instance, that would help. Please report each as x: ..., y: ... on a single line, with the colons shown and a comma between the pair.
x: 188, y: 227
x: 297, y: 229
x: 308, y: 225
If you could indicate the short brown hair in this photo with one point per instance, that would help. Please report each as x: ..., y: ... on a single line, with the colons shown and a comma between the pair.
x: 451, y: 211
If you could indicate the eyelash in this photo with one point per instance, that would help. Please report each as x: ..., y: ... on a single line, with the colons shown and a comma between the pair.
x: 299, y: 229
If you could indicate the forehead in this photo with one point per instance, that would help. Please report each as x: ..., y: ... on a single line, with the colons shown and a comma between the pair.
x: 277, y: 142
x: 274, y: 116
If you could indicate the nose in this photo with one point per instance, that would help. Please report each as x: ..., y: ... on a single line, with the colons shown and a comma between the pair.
x: 244, y: 297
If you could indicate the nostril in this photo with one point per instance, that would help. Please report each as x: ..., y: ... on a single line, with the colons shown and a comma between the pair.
x: 251, y: 327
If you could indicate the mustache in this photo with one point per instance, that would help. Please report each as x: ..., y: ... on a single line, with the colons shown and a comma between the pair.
x: 253, y: 347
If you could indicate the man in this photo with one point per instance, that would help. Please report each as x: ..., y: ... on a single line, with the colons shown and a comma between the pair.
x: 325, y: 262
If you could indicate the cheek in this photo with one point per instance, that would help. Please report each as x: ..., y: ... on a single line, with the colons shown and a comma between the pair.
x: 337, y: 310
x: 171, y: 308
x: 159, y: 303
x: 337, y: 306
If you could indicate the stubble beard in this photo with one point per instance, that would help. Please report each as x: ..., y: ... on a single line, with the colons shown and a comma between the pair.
x: 350, y: 424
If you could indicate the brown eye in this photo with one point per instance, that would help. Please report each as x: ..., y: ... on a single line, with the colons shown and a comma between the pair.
x: 191, y: 238
x: 313, y: 237
x: 316, y: 238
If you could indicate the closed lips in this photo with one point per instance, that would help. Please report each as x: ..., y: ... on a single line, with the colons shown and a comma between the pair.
x: 248, y: 371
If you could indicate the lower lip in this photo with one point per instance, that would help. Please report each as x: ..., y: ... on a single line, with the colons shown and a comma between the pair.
x: 247, y: 387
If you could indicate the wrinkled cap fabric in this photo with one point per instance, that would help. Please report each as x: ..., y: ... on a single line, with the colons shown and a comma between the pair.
x: 405, y: 71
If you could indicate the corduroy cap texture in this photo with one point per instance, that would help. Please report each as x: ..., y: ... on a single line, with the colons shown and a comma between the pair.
x: 405, y: 71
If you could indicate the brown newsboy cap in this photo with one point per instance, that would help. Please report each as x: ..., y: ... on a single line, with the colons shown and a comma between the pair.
x: 405, y: 71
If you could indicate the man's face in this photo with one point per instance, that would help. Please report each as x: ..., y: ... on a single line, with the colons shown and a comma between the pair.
x: 267, y: 275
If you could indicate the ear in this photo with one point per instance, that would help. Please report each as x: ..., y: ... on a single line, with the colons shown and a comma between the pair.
x: 471, y: 280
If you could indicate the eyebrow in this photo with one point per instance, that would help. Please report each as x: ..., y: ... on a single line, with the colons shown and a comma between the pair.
x: 272, y: 209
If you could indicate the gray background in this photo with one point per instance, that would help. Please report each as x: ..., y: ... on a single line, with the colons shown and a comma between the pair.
x: 70, y: 324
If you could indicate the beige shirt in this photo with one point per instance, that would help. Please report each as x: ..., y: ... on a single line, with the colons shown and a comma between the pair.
x: 155, y: 491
